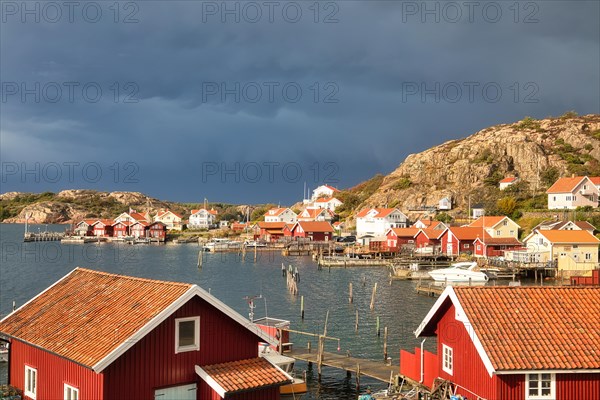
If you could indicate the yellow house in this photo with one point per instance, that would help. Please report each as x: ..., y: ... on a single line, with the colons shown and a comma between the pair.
x: 497, y: 226
x: 573, y: 250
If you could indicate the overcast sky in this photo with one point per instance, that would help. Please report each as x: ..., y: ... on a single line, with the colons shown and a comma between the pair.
x: 248, y: 101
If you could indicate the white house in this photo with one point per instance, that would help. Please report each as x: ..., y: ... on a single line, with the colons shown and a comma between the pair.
x: 445, y: 204
x: 573, y: 192
x: 566, y: 226
x: 202, y: 219
x: 477, y: 211
x: 172, y: 220
x: 377, y: 221
x: 506, y: 182
x: 497, y: 226
x: 328, y: 203
x: 323, y: 191
x: 315, y: 214
x: 133, y: 216
x: 281, y: 215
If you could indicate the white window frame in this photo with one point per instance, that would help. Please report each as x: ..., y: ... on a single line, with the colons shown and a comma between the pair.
x: 27, y: 388
x: 447, y: 359
x: 196, y: 345
x: 538, y: 396
x: 69, y: 391
x: 588, y: 256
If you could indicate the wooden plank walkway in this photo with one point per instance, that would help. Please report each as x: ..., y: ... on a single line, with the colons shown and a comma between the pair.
x: 374, y: 369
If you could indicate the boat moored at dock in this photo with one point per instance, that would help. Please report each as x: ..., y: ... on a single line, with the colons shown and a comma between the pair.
x: 459, y: 272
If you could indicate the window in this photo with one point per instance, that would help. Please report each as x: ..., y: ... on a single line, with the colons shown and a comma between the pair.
x: 512, y: 233
x: 447, y: 361
x: 498, y: 233
x: 466, y: 246
x: 505, y: 223
x: 71, y: 393
x: 30, y: 382
x: 540, y: 386
x: 588, y: 256
x: 187, y: 334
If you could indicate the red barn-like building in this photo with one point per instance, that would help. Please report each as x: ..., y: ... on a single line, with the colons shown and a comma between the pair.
x: 318, y: 231
x: 429, y: 238
x: 396, y: 237
x: 460, y: 240
x: 95, y: 335
x: 512, y: 343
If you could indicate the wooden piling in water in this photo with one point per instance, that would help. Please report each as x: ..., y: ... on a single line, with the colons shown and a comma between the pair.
x: 350, y: 299
x: 356, y: 323
x: 200, y: 257
x: 302, y: 308
x: 377, y: 327
x: 357, y: 377
x: 385, y: 352
x: 373, y: 297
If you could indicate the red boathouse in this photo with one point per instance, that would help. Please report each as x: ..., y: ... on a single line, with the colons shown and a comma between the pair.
x: 512, y: 343
x: 95, y: 335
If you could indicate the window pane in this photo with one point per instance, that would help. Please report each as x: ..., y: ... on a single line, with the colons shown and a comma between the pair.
x: 545, y: 391
x: 187, y: 333
x: 546, y: 377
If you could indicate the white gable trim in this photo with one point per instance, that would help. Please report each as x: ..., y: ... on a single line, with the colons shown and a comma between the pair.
x: 460, y: 316
x: 211, y: 382
x: 195, y: 290
x: 548, y: 371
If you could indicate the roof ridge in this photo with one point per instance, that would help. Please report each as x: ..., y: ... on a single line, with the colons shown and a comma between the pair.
x: 133, y: 278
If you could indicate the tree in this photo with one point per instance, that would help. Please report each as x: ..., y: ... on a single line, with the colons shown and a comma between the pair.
x: 444, y: 217
x: 549, y: 176
x: 507, y: 205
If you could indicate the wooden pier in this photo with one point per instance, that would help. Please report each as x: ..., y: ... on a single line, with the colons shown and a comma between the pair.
x: 43, y: 236
x: 360, y: 366
x: 430, y: 289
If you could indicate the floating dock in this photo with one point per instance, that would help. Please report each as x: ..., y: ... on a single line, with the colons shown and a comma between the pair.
x: 43, y: 236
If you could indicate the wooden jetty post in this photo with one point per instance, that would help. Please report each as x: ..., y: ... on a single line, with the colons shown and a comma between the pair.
x: 255, y: 247
x: 377, y: 328
x: 14, y: 305
x: 385, y: 352
x: 302, y: 308
x: 357, y: 376
x: 373, y: 297
x: 200, y: 257
x: 356, y: 323
x: 350, y: 298
x: 322, y: 346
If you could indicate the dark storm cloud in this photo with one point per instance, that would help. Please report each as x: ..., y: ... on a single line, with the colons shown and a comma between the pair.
x: 357, y: 109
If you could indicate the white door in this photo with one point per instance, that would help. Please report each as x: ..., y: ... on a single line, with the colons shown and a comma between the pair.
x: 184, y: 392
x: 449, y: 249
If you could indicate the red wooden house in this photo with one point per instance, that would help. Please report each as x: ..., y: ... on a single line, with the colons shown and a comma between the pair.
x: 95, y: 335
x: 157, y: 230
x: 495, y: 246
x: 396, y: 237
x: 121, y: 228
x: 429, y: 237
x: 512, y: 343
x: 139, y: 229
x: 85, y: 227
x: 269, y: 231
x: 103, y: 227
x: 460, y: 240
x: 318, y: 231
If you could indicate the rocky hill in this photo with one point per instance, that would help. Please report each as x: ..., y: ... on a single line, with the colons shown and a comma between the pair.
x: 536, y: 151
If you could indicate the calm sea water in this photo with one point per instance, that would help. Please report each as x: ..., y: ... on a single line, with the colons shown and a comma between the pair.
x: 28, y: 268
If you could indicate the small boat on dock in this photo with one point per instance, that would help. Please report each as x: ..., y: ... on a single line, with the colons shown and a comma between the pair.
x: 459, y: 272
x: 221, y: 244
x: 253, y: 243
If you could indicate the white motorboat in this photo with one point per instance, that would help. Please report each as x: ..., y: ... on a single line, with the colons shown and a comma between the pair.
x: 254, y: 243
x: 221, y: 244
x: 459, y: 272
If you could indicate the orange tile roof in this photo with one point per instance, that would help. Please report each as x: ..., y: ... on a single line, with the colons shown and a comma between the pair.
x: 508, y: 180
x: 432, y: 233
x: 88, y: 314
x: 315, y: 226
x: 405, y: 232
x: 331, y: 188
x: 164, y: 212
x: 565, y: 185
x: 138, y: 216
x: 275, y: 211
x: 245, y: 375
x: 595, y: 180
x: 88, y: 221
x: 535, y: 328
x: 567, y: 236
x: 271, y: 225
x: 466, y: 233
x: 104, y: 221
x: 508, y: 241
x: 487, y: 222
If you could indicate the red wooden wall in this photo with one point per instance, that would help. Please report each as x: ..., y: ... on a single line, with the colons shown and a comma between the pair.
x: 577, y: 386
x: 410, y: 366
x: 52, y: 373
x: 152, y: 363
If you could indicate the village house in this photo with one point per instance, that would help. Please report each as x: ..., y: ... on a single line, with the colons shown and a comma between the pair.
x: 445, y: 204
x: 239, y: 226
x: 269, y: 231
x: 121, y: 228
x: 573, y: 192
x: 328, y: 203
x: 572, y: 250
x: 506, y: 182
x: 477, y: 210
x: 96, y: 335
x: 139, y: 229
x: 429, y: 240
x: 511, y: 343
x: 315, y: 214
x: 398, y: 237
x: 202, y: 219
x: 133, y: 216
x: 85, y: 227
x: 318, y: 231
x: 157, y: 230
x: 490, y: 246
x: 429, y: 224
x: 376, y: 222
x: 172, y: 220
x: 566, y: 225
x: 323, y: 191
x: 281, y: 215
x: 103, y: 228
x: 458, y: 240
x: 497, y: 226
